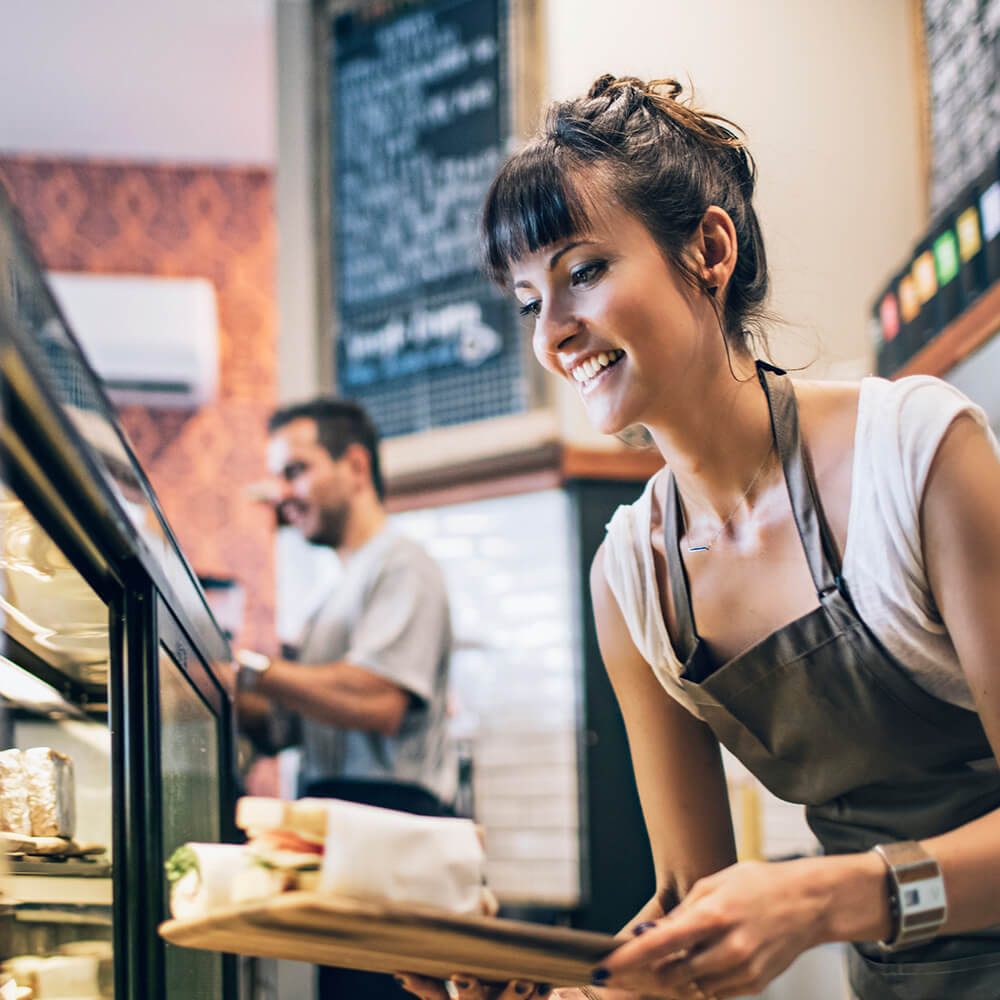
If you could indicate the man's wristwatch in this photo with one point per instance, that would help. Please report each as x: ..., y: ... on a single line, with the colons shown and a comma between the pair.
x: 252, y: 665
x: 917, y: 903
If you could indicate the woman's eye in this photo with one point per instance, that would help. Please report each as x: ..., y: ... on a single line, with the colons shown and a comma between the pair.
x: 587, y: 272
x: 531, y: 308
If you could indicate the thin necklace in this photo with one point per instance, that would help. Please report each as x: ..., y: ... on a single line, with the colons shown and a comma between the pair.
x: 722, y: 527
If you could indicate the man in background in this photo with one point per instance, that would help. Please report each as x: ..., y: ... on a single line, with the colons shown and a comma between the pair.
x: 366, y: 694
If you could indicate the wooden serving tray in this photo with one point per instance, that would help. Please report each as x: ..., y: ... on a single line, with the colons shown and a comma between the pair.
x: 330, y: 930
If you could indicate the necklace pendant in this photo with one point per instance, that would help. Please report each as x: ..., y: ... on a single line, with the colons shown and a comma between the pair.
x: 698, y: 548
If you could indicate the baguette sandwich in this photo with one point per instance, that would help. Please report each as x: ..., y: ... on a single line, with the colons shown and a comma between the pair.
x: 283, y: 852
x: 337, y: 848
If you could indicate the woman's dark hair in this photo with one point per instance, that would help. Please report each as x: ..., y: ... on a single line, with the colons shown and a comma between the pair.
x: 656, y: 156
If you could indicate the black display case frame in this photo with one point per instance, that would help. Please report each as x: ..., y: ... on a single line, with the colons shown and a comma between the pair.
x: 150, y: 590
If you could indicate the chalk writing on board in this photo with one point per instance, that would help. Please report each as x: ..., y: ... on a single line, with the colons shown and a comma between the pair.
x: 418, y: 129
x: 418, y: 141
x: 456, y: 333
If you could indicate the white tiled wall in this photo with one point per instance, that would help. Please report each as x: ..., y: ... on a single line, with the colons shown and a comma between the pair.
x: 508, y: 565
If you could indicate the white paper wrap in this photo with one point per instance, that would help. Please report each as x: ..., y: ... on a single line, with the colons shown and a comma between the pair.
x: 219, y: 866
x: 389, y: 856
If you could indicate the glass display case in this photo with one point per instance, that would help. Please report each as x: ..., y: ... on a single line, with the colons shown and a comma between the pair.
x: 116, y: 734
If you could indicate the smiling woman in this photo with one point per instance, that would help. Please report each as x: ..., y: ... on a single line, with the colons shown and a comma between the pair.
x: 811, y: 580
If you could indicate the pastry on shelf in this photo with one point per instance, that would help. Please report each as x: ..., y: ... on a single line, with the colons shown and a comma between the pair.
x: 37, y: 793
x: 51, y: 792
x: 15, y: 816
x: 55, y: 977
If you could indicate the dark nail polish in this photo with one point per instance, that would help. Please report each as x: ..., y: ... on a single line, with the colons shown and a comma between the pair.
x: 520, y: 989
x: 598, y: 976
x: 462, y: 984
x: 643, y: 927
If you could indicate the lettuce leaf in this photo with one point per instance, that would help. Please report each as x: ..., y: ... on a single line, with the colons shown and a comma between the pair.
x: 180, y: 863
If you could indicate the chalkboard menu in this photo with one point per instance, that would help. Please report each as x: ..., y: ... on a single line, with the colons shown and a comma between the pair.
x: 962, y: 41
x: 418, y: 129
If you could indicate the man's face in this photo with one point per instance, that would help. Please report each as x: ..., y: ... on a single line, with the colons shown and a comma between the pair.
x: 314, y: 489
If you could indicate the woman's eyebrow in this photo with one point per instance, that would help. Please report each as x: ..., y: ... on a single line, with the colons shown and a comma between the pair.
x: 554, y: 259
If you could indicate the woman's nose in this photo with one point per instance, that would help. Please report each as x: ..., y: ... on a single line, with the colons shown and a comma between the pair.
x: 556, y: 325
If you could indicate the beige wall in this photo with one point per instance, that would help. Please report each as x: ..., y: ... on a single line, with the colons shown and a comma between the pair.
x: 827, y: 94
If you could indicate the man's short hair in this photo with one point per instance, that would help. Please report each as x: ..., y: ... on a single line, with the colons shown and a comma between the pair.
x: 339, y: 423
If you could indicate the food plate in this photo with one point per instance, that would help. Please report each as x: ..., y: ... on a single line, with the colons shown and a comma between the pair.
x: 329, y: 930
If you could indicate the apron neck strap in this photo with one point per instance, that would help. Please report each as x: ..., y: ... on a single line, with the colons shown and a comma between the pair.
x: 814, y: 532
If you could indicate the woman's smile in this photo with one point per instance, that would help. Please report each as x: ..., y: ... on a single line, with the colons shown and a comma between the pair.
x: 593, y: 371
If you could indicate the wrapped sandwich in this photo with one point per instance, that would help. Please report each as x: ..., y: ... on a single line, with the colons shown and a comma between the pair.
x: 283, y: 853
x: 51, y: 792
x: 15, y: 817
x: 337, y: 848
x: 37, y: 793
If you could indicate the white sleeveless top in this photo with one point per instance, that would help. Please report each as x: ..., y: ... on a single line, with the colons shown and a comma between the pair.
x: 900, y: 426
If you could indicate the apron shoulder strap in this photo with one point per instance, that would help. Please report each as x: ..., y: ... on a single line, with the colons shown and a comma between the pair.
x: 814, y: 530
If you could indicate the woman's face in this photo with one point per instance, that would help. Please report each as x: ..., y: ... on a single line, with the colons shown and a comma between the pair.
x: 616, y: 319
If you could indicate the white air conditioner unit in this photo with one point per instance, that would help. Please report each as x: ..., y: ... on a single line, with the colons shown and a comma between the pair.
x: 152, y: 341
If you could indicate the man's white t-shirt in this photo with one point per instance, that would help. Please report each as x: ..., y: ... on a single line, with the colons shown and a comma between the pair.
x: 388, y: 614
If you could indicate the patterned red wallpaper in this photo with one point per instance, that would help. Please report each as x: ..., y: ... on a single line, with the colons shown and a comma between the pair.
x: 179, y: 221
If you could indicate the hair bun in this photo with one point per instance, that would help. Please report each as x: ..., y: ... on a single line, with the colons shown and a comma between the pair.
x: 657, y: 90
x: 601, y: 85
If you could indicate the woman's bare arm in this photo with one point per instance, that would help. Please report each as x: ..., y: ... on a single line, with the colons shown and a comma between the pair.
x: 676, y: 759
x: 960, y: 529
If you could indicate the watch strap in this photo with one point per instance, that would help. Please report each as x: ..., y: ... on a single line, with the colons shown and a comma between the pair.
x: 917, y: 902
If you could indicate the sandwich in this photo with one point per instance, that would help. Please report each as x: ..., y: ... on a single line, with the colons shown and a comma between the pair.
x: 336, y: 848
x: 37, y: 794
x: 285, y: 843
x: 15, y: 816
x: 283, y: 852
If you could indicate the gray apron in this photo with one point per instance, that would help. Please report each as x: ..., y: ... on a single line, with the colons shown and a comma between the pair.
x: 823, y: 715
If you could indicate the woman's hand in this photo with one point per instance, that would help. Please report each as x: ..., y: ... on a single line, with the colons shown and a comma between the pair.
x: 470, y: 988
x: 730, y: 936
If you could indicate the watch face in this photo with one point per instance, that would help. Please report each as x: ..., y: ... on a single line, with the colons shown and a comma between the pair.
x: 253, y: 661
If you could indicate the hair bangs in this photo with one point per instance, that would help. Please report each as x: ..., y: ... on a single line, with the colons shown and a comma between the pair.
x: 531, y: 204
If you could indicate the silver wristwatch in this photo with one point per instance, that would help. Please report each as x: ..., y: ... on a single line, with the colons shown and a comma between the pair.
x: 917, y: 902
x: 252, y: 665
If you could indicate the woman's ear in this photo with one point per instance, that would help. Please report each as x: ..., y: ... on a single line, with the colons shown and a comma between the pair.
x: 717, y: 248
